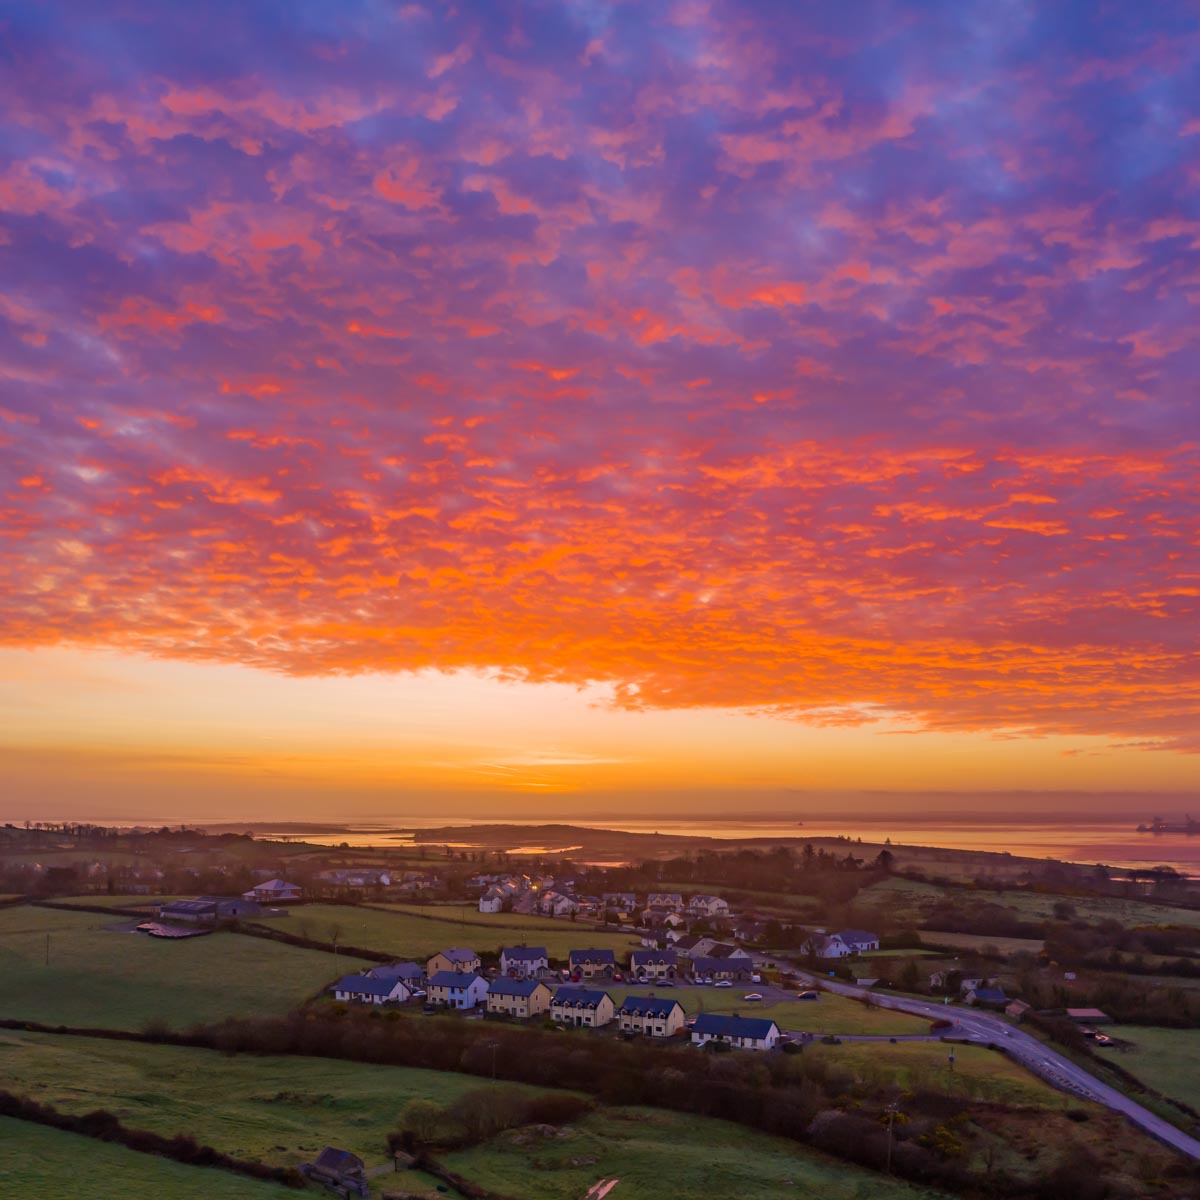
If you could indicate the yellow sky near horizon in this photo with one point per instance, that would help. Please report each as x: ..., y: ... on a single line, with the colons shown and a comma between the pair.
x: 86, y: 730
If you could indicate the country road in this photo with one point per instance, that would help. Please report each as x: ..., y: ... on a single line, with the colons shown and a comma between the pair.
x: 975, y: 1025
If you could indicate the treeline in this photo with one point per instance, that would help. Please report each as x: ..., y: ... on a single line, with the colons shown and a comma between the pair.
x: 106, y: 1127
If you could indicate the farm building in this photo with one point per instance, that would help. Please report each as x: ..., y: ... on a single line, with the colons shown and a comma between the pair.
x: 340, y: 1171
x: 210, y: 908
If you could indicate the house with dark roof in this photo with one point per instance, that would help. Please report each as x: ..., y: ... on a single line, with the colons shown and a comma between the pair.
x: 410, y: 973
x: 654, y: 964
x: 650, y: 1015
x: 339, y: 1170
x: 523, y: 961
x: 691, y: 945
x: 210, y: 908
x: 987, y: 997
x: 592, y: 962
x: 274, y: 891
x: 860, y: 941
x: 457, y: 989
x: 736, y: 970
x: 708, y: 906
x: 457, y: 958
x: 365, y: 989
x: 521, y: 998
x: 581, y: 1007
x: 724, y: 950
x: 742, y: 1033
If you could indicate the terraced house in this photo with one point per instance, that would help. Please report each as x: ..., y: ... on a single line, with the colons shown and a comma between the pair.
x: 522, y: 998
x: 654, y: 964
x: 581, y: 1007
x: 650, y: 1015
x: 523, y: 961
x: 592, y: 962
x: 457, y: 989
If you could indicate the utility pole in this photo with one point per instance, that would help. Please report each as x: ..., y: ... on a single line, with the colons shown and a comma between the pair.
x: 891, y: 1112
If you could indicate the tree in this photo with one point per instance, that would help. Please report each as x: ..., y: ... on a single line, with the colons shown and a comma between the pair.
x: 422, y: 1121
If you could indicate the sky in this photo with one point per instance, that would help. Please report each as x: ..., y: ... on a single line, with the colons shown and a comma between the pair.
x: 502, y: 406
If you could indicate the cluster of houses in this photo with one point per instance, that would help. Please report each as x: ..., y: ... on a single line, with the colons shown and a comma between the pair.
x: 528, y: 987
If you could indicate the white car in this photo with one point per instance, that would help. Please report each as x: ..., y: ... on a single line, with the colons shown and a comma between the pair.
x: 756, y: 979
x: 721, y: 983
x: 752, y: 996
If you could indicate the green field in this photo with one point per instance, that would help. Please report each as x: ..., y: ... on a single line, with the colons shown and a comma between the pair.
x: 659, y: 1155
x: 1167, y: 1060
x: 830, y: 1014
x: 40, y: 1162
x: 97, y: 977
x: 906, y: 901
x: 982, y: 941
x: 978, y: 1073
x: 280, y: 1110
x: 419, y: 933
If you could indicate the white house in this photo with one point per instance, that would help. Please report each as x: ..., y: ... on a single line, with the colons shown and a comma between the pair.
x: 365, y: 989
x: 742, y: 1033
x: 457, y: 989
x: 558, y: 904
x: 274, y: 891
x: 859, y: 940
x: 492, y: 901
x: 522, y: 961
x: 709, y: 906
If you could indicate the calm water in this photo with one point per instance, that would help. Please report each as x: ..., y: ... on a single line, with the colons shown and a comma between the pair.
x: 1113, y: 842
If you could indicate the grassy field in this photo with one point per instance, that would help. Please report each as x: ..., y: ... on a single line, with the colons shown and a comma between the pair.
x: 280, y: 1110
x: 978, y: 1073
x: 981, y: 941
x: 907, y: 901
x: 36, y: 1161
x: 421, y: 932
x: 1167, y: 1060
x: 830, y: 1014
x: 658, y: 1155
x: 97, y: 977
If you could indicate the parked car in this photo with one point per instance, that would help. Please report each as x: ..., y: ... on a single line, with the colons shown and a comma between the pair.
x: 810, y: 995
x: 720, y: 983
x: 708, y: 979
x: 752, y: 996
x: 664, y: 983
x: 756, y: 979
x: 418, y: 993
x: 618, y: 977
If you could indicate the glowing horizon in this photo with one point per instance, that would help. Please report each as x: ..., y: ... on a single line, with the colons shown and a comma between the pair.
x: 614, y: 403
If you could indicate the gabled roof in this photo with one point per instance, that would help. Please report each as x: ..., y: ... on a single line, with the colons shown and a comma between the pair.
x: 365, y: 985
x: 648, y: 1006
x: 590, y: 997
x: 331, y: 1159
x: 603, y: 956
x: 709, y: 965
x: 398, y: 970
x: 454, y: 979
x: 715, y: 1024
x: 459, y: 954
x: 514, y: 987
x: 524, y: 953
x: 276, y: 885
x: 723, y: 950
x: 670, y: 957
x: 992, y: 994
x: 856, y: 935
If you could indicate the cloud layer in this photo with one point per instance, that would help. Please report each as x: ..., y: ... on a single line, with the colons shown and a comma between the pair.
x: 831, y: 360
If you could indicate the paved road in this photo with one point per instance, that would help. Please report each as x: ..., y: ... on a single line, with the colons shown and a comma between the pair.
x: 976, y: 1025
